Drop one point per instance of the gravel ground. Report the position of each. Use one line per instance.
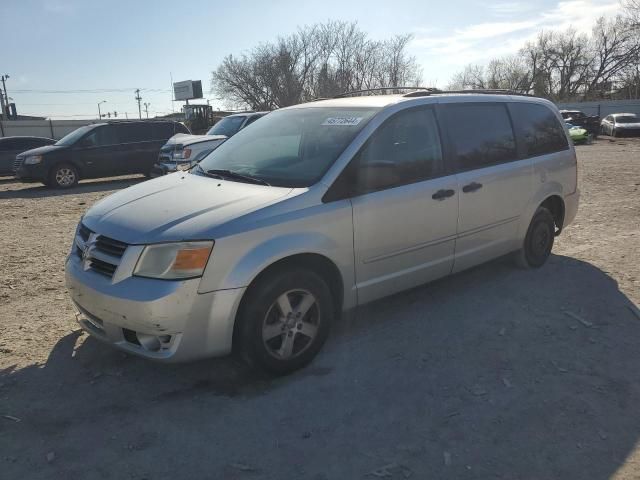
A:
(492, 373)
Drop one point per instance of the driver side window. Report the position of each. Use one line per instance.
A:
(100, 137)
(403, 150)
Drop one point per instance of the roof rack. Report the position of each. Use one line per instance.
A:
(426, 91)
(379, 89)
(480, 91)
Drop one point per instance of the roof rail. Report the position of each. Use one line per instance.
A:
(379, 89)
(481, 91)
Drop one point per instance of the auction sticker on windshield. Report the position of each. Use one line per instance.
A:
(349, 121)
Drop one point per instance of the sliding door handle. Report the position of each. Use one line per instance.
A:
(442, 194)
(472, 187)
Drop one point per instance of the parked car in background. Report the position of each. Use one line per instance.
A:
(621, 124)
(98, 150)
(578, 134)
(579, 119)
(181, 152)
(232, 124)
(313, 210)
(12, 146)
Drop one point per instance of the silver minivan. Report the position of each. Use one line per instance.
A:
(314, 210)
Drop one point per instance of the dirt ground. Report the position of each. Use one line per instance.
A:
(492, 373)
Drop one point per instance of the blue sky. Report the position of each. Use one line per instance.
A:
(62, 45)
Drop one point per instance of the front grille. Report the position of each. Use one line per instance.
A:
(98, 253)
(100, 266)
(110, 246)
(17, 163)
(84, 232)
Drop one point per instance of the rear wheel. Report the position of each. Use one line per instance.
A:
(63, 175)
(285, 320)
(538, 241)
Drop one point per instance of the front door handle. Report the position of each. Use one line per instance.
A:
(472, 187)
(442, 194)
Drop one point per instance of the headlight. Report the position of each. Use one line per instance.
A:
(182, 154)
(33, 160)
(170, 261)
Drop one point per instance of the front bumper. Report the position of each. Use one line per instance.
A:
(31, 173)
(157, 319)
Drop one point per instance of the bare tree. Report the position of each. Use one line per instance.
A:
(321, 60)
(566, 65)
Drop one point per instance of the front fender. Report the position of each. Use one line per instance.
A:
(238, 259)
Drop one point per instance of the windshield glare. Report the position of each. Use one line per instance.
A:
(227, 126)
(74, 136)
(290, 148)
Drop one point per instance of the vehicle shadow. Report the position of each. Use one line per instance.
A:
(38, 190)
(491, 373)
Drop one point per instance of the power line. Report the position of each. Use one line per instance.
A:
(97, 90)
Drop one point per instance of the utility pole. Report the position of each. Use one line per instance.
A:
(139, 99)
(146, 108)
(4, 99)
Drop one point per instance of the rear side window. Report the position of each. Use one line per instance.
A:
(403, 150)
(164, 131)
(481, 134)
(539, 129)
(134, 132)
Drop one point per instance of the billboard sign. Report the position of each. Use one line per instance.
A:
(187, 90)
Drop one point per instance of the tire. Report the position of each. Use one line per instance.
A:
(538, 242)
(63, 175)
(278, 343)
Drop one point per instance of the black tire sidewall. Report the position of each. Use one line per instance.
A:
(259, 299)
(541, 219)
(52, 175)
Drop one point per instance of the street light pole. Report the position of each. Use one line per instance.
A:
(99, 113)
(146, 108)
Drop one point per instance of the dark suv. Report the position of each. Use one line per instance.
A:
(99, 150)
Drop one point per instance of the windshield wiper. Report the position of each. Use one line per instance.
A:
(237, 176)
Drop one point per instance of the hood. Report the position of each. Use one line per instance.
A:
(42, 150)
(185, 139)
(176, 207)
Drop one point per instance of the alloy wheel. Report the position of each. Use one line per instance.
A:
(291, 324)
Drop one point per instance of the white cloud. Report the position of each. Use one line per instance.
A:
(476, 43)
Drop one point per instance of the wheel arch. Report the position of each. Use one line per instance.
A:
(555, 204)
(320, 264)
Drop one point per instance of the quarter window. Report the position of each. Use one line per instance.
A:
(481, 134)
(539, 129)
(405, 149)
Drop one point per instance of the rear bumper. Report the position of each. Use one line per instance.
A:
(167, 321)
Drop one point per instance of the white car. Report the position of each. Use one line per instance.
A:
(621, 124)
(182, 151)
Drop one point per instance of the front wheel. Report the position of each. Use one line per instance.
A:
(285, 320)
(63, 175)
(539, 240)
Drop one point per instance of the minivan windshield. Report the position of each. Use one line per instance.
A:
(289, 148)
(228, 126)
(74, 136)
